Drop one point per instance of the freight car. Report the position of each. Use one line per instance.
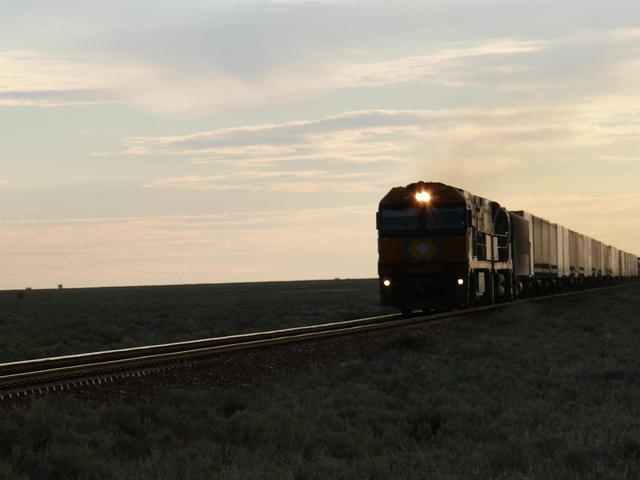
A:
(441, 247)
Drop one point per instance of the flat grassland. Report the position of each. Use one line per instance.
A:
(547, 390)
(60, 322)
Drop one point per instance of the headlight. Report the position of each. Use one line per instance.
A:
(387, 283)
(460, 281)
(424, 197)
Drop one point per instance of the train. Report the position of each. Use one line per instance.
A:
(442, 248)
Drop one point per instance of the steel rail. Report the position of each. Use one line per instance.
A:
(30, 373)
(187, 345)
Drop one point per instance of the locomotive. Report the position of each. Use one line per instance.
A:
(441, 247)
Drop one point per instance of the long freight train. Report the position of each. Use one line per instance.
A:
(441, 247)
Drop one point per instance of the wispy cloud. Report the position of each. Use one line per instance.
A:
(366, 150)
(442, 67)
(345, 139)
(359, 136)
(31, 78)
(397, 136)
(304, 181)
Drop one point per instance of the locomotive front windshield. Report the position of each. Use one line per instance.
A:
(404, 220)
(400, 219)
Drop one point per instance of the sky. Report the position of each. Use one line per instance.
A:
(155, 142)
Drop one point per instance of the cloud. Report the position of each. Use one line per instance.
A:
(211, 85)
(32, 78)
(54, 98)
(397, 136)
(304, 181)
(362, 151)
(290, 144)
(360, 135)
(353, 152)
(505, 65)
(439, 67)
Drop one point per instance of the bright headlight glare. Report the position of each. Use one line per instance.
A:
(387, 283)
(424, 197)
(460, 281)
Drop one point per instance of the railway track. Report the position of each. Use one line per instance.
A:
(28, 377)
